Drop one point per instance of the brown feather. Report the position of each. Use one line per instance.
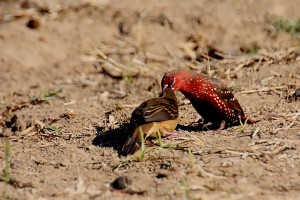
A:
(152, 116)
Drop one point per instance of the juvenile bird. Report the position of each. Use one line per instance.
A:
(209, 96)
(152, 116)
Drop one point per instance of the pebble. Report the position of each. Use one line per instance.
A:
(121, 182)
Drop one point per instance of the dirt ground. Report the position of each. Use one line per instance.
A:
(73, 71)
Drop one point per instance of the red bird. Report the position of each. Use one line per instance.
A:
(209, 96)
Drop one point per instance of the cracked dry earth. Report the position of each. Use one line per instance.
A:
(73, 71)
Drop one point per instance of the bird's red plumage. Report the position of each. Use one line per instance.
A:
(209, 96)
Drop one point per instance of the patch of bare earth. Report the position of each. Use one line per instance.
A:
(73, 71)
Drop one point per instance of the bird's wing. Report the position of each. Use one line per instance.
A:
(155, 110)
(227, 96)
(162, 111)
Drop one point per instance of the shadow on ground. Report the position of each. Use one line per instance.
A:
(202, 126)
(114, 138)
(196, 126)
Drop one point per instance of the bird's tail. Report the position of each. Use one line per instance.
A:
(247, 119)
(132, 143)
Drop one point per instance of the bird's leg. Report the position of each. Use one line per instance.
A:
(222, 126)
(215, 128)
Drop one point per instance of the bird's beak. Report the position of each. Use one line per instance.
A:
(163, 91)
(165, 87)
(168, 86)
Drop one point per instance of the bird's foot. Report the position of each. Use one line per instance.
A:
(171, 135)
(215, 128)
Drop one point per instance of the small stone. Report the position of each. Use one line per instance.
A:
(121, 182)
(162, 173)
(227, 164)
(40, 161)
(33, 24)
(297, 93)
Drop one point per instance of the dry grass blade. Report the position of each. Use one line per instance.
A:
(278, 150)
(185, 142)
(113, 68)
(260, 60)
(195, 139)
(255, 132)
(264, 89)
(27, 131)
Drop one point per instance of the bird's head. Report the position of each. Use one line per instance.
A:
(169, 94)
(175, 80)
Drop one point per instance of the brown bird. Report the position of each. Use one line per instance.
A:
(152, 116)
(209, 96)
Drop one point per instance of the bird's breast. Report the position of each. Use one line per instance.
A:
(151, 129)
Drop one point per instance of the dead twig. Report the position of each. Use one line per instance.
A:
(113, 68)
(254, 132)
(277, 151)
(264, 89)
